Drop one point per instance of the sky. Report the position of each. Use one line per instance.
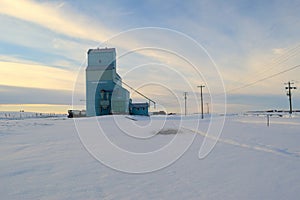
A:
(164, 48)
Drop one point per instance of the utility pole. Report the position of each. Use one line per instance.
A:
(185, 97)
(201, 86)
(289, 94)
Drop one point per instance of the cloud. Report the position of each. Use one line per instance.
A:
(59, 19)
(28, 41)
(36, 76)
(16, 59)
(278, 51)
(27, 95)
(54, 17)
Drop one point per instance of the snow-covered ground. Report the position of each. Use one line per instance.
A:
(44, 158)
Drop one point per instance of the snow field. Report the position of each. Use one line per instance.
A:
(45, 159)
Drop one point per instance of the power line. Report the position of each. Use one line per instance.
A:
(276, 61)
(263, 79)
(150, 100)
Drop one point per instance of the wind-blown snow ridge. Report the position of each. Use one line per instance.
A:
(264, 148)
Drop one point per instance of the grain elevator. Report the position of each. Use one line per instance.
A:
(104, 92)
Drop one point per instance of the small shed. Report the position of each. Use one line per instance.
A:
(139, 109)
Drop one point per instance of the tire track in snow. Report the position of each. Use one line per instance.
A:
(263, 148)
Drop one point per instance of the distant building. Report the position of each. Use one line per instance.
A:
(104, 92)
(138, 108)
(161, 112)
(76, 113)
